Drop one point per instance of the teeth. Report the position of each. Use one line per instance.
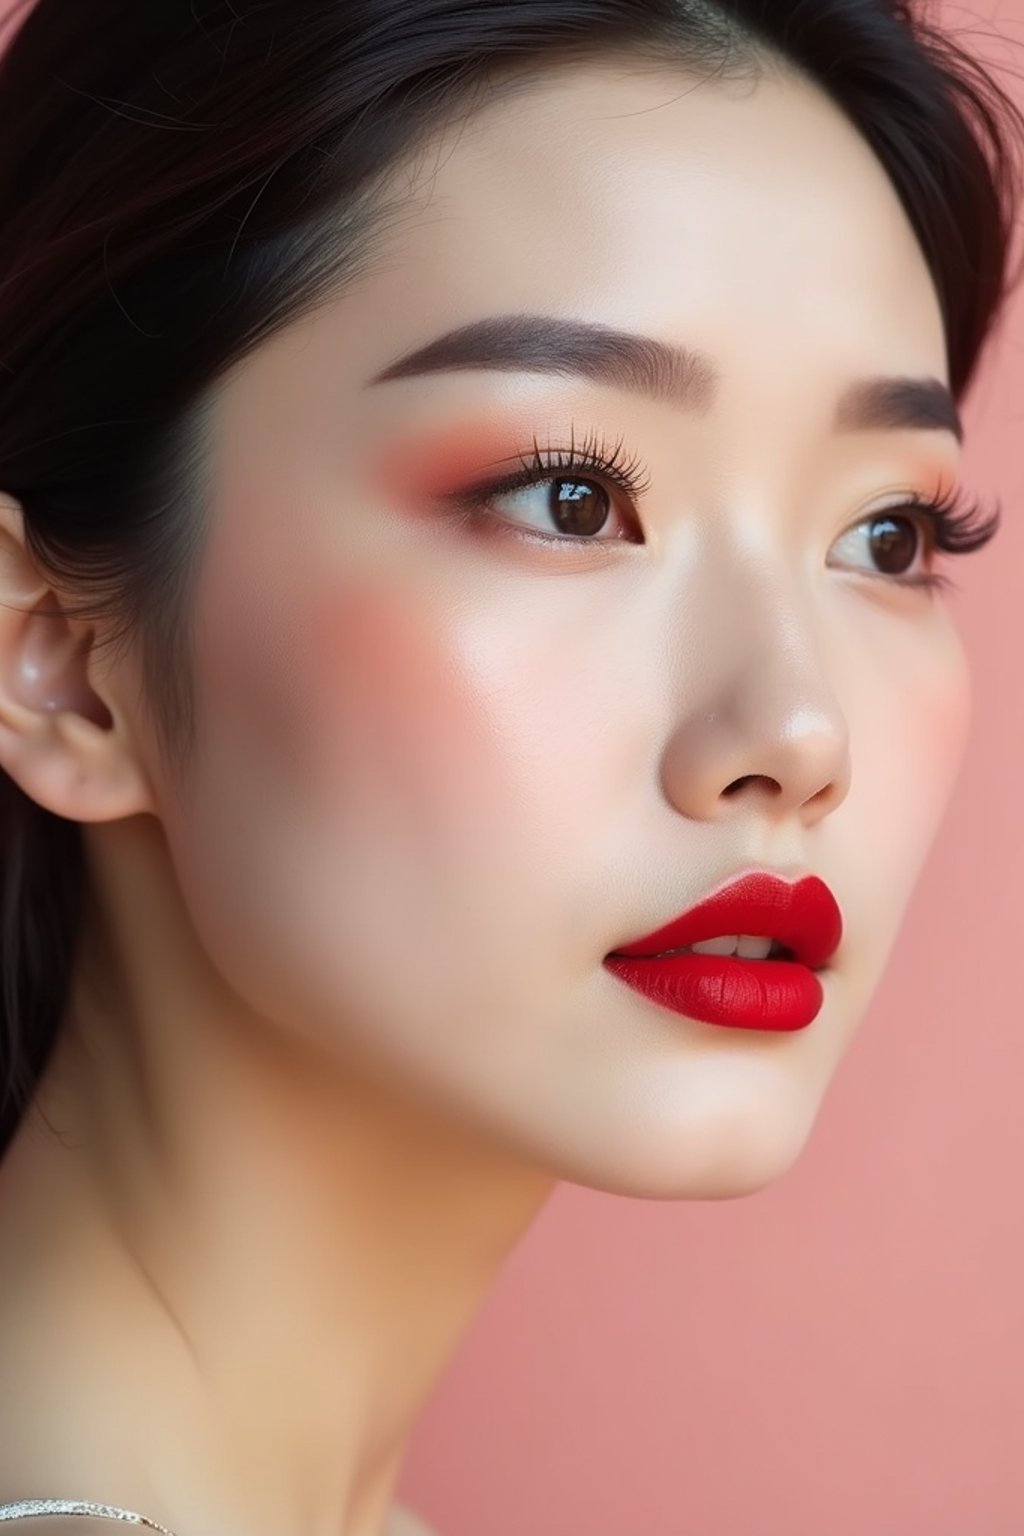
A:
(726, 945)
(751, 948)
(745, 946)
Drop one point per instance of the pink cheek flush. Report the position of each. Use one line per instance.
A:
(405, 735)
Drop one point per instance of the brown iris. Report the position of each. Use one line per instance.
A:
(579, 506)
(894, 542)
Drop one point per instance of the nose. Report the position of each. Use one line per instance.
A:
(761, 731)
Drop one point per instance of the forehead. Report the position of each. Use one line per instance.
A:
(645, 196)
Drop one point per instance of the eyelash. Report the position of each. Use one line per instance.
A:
(952, 523)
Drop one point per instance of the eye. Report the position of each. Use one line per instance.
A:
(888, 543)
(567, 498)
(891, 540)
(567, 505)
(563, 497)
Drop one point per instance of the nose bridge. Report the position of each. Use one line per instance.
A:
(762, 716)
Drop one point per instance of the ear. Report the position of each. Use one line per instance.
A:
(69, 748)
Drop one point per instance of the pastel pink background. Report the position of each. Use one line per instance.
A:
(842, 1354)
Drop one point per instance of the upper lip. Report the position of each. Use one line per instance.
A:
(804, 916)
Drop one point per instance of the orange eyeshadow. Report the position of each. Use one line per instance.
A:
(439, 462)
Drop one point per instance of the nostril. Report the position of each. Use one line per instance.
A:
(753, 778)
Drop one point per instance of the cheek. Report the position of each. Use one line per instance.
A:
(379, 845)
(464, 735)
(396, 722)
(347, 807)
(926, 741)
(386, 780)
(907, 697)
(906, 761)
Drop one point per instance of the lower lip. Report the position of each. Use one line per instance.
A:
(741, 994)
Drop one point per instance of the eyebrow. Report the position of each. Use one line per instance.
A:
(898, 404)
(580, 348)
(655, 369)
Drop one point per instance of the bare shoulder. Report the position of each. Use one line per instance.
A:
(404, 1522)
(54, 1525)
(401, 1522)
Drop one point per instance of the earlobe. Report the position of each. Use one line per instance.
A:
(59, 739)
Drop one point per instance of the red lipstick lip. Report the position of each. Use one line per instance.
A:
(804, 916)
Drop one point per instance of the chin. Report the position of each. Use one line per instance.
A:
(721, 1155)
(733, 1173)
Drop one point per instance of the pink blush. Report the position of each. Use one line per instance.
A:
(406, 719)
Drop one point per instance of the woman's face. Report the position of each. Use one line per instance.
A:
(443, 771)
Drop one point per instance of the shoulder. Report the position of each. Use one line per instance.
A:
(403, 1522)
(66, 1517)
(56, 1525)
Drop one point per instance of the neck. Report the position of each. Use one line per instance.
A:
(232, 1277)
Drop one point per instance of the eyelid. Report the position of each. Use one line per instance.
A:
(949, 520)
(592, 457)
(593, 461)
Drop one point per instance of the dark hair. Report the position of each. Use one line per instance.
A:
(179, 179)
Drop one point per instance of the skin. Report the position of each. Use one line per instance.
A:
(340, 1020)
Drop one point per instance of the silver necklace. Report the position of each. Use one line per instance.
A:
(25, 1508)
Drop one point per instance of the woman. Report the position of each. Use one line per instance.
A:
(477, 482)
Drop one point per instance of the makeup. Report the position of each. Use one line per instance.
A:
(778, 992)
(436, 461)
